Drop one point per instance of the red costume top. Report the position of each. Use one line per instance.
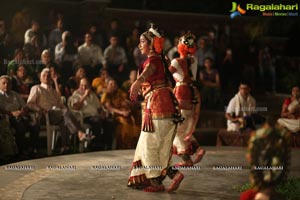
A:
(183, 90)
(158, 96)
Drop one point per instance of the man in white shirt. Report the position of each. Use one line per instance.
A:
(12, 104)
(90, 56)
(35, 31)
(85, 100)
(59, 48)
(115, 59)
(43, 98)
(240, 109)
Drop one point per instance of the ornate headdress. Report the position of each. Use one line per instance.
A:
(187, 44)
(155, 38)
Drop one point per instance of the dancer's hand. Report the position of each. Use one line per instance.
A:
(134, 89)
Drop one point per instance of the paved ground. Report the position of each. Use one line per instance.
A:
(46, 179)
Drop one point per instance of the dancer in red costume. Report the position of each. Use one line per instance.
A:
(160, 110)
(188, 98)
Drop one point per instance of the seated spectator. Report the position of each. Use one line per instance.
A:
(14, 106)
(43, 98)
(132, 41)
(56, 81)
(35, 31)
(69, 58)
(135, 108)
(73, 82)
(116, 29)
(55, 34)
(210, 82)
(98, 38)
(116, 101)
(99, 84)
(115, 59)
(240, 113)
(132, 77)
(90, 56)
(203, 51)
(290, 112)
(33, 49)
(86, 101)
(13, 64)
(46, 61)
(21, 82)
(59, 48)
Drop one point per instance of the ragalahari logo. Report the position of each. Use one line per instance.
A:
(236, 10)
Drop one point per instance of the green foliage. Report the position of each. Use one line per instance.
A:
(242, 188)
(289, 189)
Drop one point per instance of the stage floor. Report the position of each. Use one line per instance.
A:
(103, 176)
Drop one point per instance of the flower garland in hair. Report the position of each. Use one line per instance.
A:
(158, 44)
(187, 44)
(269, 156)
(157, 39)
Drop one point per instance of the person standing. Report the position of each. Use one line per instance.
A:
(151, 162)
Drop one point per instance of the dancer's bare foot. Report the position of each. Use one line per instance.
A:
(199, 155)
(176, 182)
(158, 188)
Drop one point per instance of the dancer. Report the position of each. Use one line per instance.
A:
(151, 162)
(188, 98)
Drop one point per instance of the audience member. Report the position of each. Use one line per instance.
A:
(127, 84)
(86, 101)
(55, 35)
(21, 82)
(210, 84)
(116, 101)
(73, 82)
(241, 111)
(290, 112)
(115, 59)
(35, 31)
(99, 84)
(15, 107)
(69, 57)
(203, 52)
(90, 56)
(33, 49)
(98, 38)
(44, 99)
